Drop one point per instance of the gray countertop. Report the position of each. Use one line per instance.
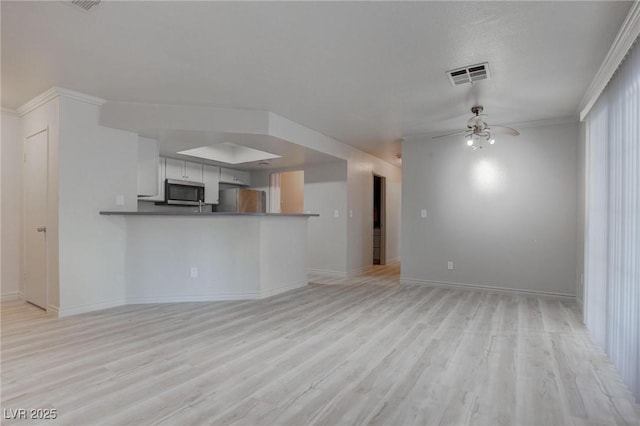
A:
(203, 214)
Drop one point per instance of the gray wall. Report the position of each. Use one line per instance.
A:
(505, 215)
(325, 190)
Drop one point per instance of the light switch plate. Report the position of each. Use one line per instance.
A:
(194, 272)
(336, 213)
(423, 213)
(449, 265)
(119, 200)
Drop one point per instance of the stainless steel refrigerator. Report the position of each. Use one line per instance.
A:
(242, 200)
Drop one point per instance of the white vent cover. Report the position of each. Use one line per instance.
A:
(469, 74)
(85, 5)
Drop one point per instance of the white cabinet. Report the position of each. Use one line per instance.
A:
(148, 170)
(236, 177)
(192, 171)
(211, 179)
(183, 170)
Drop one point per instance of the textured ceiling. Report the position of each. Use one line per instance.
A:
(365, 73)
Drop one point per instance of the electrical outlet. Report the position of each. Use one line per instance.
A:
(336, 213)
(423, 213)
(119, 200)
(449, 265)
(194, 272)
(350, 213)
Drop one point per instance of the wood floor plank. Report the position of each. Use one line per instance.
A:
(363, 350)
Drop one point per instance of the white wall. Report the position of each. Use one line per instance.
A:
(581, 212)
(11, 211)
(236, 257)
(361, 167)
(96, 164)
(325, 190)
(505, 215)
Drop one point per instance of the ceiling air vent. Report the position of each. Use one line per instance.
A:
(469, 74)
(85, 5)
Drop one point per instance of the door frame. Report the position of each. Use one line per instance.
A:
(24, 221)
(383, 217)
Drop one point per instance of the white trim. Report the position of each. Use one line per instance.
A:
(629, 32)
(10, 296)
(53, 310)
(327, 273)
(10, 111)
(392, 261)
(216, 297)
(579, 302)
(90, 307)
(461, 286)
(54, 93)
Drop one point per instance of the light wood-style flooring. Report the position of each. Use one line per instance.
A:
(360, 351)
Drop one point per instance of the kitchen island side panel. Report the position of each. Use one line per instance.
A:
(162, 252)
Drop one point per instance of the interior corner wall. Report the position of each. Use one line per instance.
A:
(11, 207)
(505, 215)
(96, 165)
(325, 191)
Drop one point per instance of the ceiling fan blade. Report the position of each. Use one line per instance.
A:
(504, 130)
(459, 132)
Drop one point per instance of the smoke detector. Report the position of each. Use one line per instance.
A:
(469, 74)
(85, 5)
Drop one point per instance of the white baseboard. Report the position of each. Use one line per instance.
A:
(282, 289)
(327, 273)
(461, 286)
(215, 297)
(580, 303)
(90, 307)
(10, 296)
(393, 261)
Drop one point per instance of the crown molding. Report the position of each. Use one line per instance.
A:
(628, 33)
(56, 92)
(9, 111)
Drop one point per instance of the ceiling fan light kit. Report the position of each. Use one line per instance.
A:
(479, 132)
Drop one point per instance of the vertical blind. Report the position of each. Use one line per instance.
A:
(612, 229)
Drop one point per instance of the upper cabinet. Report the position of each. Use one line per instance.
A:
(148, 156)
(235, 177)
(211, 179)
(183, 170)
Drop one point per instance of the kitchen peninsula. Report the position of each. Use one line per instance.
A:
(190, 256)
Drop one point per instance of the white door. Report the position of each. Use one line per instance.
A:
(35, 214)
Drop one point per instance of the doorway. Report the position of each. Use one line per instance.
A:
(36, 153)
(379, 220)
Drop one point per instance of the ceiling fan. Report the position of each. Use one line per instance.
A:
(479, 131)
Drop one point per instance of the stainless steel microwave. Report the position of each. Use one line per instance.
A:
(183, 192)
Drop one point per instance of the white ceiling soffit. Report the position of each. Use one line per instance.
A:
(628, 34)
(364, 73)
(230, 153)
